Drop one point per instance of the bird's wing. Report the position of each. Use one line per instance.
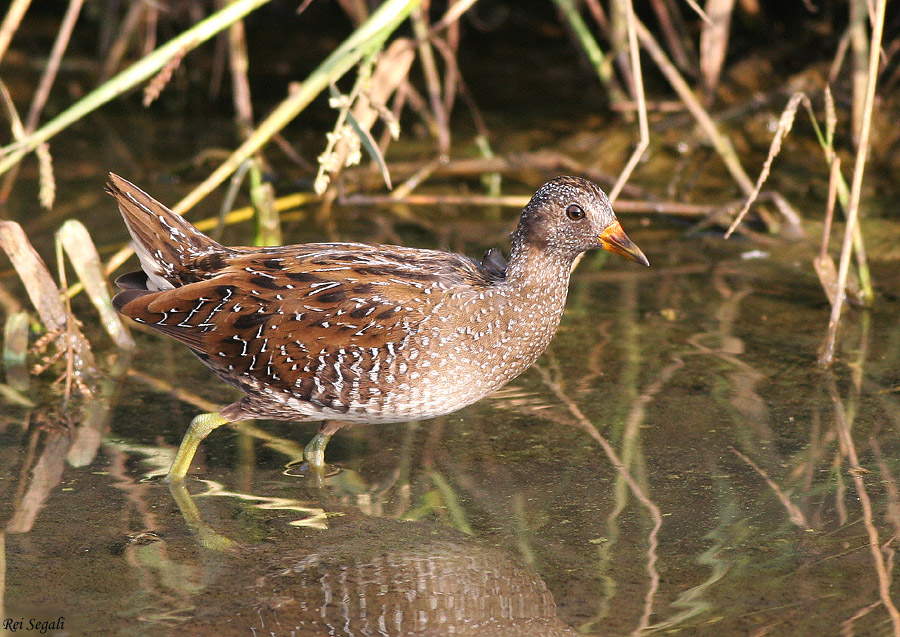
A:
(320, 321)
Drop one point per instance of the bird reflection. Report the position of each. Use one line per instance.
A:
(369, 576)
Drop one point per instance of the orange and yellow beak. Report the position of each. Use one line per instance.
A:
(614, 239)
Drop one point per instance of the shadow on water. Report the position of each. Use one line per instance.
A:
(674, 462)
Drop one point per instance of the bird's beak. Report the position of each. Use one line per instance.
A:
(615, 240)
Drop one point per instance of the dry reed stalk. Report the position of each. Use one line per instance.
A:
(47, 191)
(239, 64)
(11, 23)
(46, 299)
(700, 12)
(75, 240)
(262, 194)
(136, 14)
(48, 188)
(672, 27)
(356, 10)
(826, 356)
(459, 87)
(454, 12)
(369, 36)
(714, 44)
(785, 123)
(823, 263)
(419, 19)
(860, 73)
(449, 48)
(599, 14)
(15, 122)
(228, 199)
(595, 55)
(618, 44)
(52, 68)
(638, 90)
(403, 192)
(720, 142)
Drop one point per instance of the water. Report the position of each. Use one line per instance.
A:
(675, 462)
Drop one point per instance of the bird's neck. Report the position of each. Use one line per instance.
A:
(538, 268)
(527, 307)
(537, 282)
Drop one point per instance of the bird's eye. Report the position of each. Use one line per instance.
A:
(574, 212)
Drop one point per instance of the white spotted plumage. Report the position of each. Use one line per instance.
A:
(360, 333)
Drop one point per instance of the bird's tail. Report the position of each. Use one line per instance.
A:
(163, 241)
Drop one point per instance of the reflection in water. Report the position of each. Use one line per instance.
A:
(371, 576)
(677, 463)
(433, 588)
(882, 555)
(57, 440)
(45, 475)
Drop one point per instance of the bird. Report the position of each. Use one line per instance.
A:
(354, 333)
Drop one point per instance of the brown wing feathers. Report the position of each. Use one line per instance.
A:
(163, 241)
(316, 320)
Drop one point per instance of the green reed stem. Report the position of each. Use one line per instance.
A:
(370, 36)
(599, 60)
(138, 72)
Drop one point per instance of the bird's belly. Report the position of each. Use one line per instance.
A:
(432, 371)
(437, 375)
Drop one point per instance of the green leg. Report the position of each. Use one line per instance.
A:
(199, 429)
(205, 534)
(314, 454)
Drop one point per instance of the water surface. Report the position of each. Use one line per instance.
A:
(675, 462)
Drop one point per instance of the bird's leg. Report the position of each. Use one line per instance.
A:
(314, 453)
(200, 428)
(206, 535)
